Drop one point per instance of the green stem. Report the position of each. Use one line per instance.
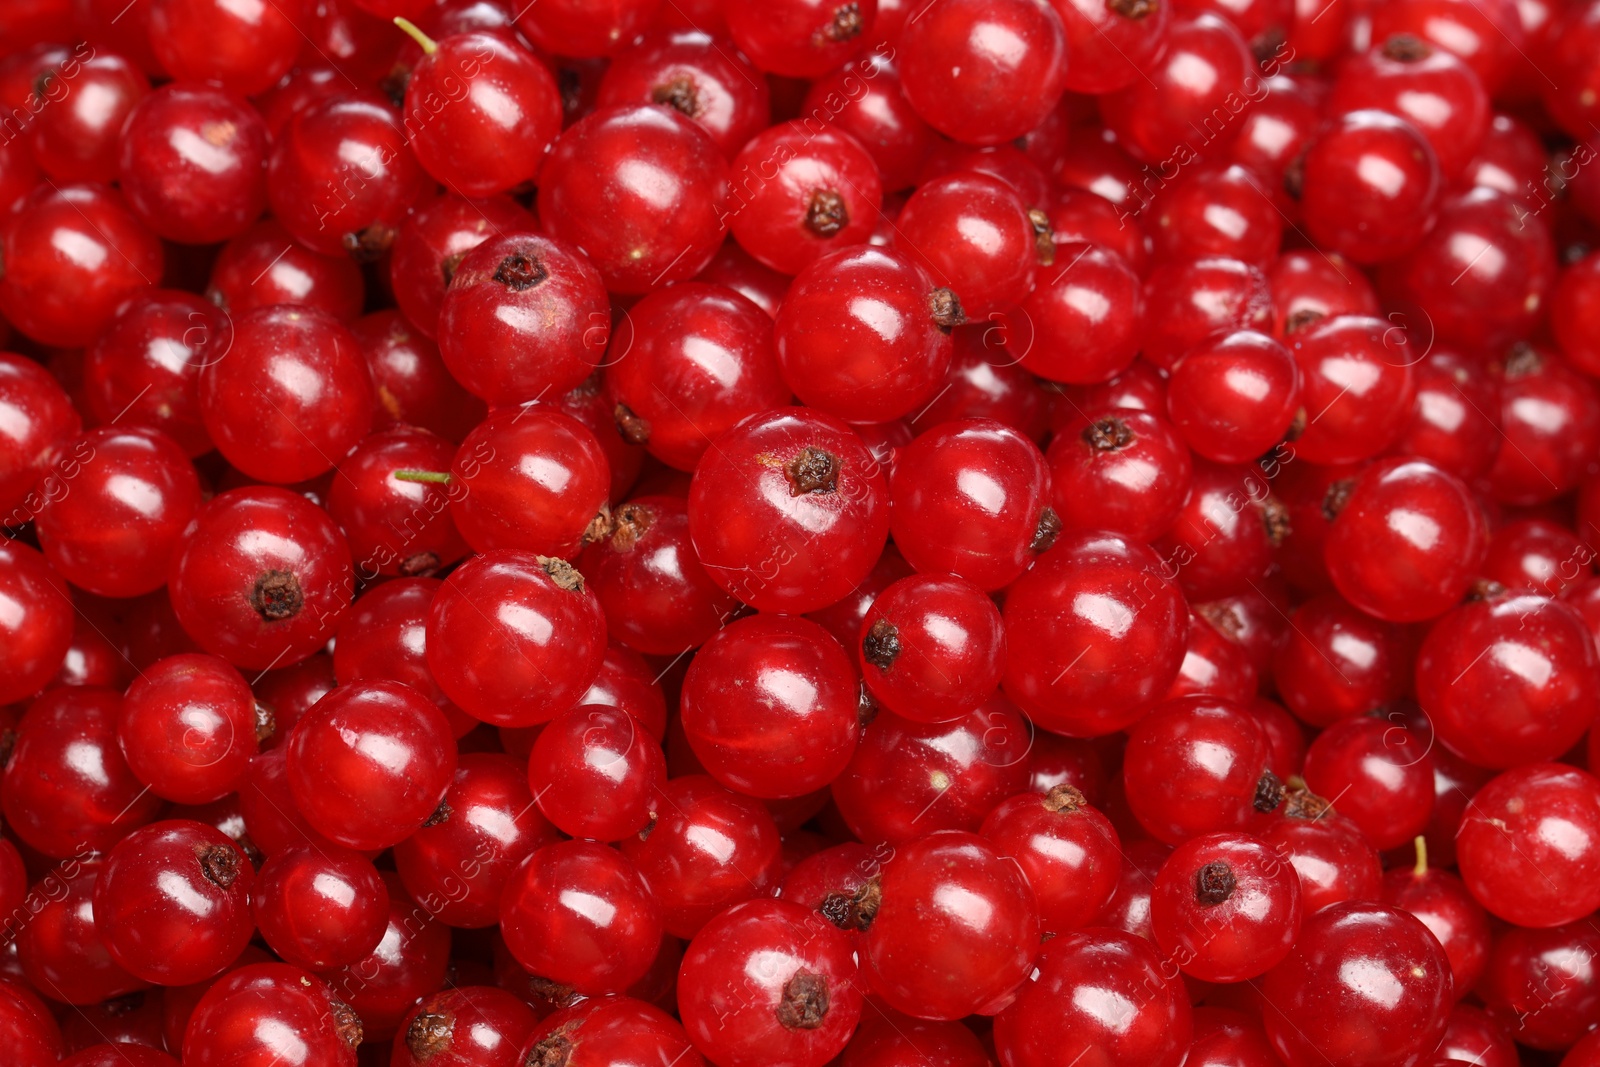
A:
(436, 477)
(429, 47)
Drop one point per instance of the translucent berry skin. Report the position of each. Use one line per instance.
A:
(261, 601)
(245, 49)
(411, 961)
(968, 89)
(1549, 421)
(596, 772)
(687, 363)
(1109, 44)
(1318, 1003)
(58, 950)
(264, 265)
(864, 361)
(579, 913)
(969, 498)
(464, 1026)
(1225, 907)
(801, 38)
(525, 318)
(1509, 680)
(342, 177)
(1198, 765)
(290, 397)
(146, 365)
(72, 255)
(1381, 774)
(1188, 301)
(192, 163)
(909, 778)
(1059, 1015)
(409, 378)
(1078, 622)
(75, 139)
(863, 99)
(1400, 72)
(1231, 399)
(1171, 112)
(1455, 423)
(533, 480)
(956, 930)
(824, 194)
(1529, 845)
(1442, 902)
(1575, 302)
(1085, 314)
(124, 498)
(638, 240)
(189, 728)
(369, 763)
(385, 638)
(458, 867)
(608, 1031)
(1356, 385)
(270, 1011)
(770, 707)
(39, 419)
(1069, 852)
(319, 908)
(482, 112)
(585, 30)
(797, 1002)
(1474, 298)
(931, 647)
(687, 70)
(1344, 201)
(396, 526)
(693, 885)
(38, 632)
(1335, 662)
(972, 233)
(66, 785)
(1540, 984)
(432, 242)
(30, 1032)
(1119, 470)
(790, 511)
(172, 903)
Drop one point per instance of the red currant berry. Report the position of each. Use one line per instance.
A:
(320, 908)
(931, 647)
(1225, 907)
(189, 728)
(264, 266)
(1069, 852)
(271, 1010)
(596, 772)
(38, 624)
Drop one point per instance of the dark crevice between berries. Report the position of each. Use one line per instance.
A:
(266, 721)
(678, 94)
(1214, 883)
(1268, 43)
(812, 471)
(634, 430)
(420, 564)
(1133, 9)
(117, 1007)
(1269, 793)
(1222, 618)
(630, 523)
(550, 992)
(393, 85)
(520, 271)
(649, 828)
(369, 245)
(1276, 519)
(1334, 500)
(440, 814)
(8, 742)
(220, 864)
(346, 1022)
(1043, 238)
(599, 527)
(1045, 534)
(564, 574)
(881, 646)
(1404, 48)
(551, 1052)
(1297, 426)
(845, 24)
(1107, 435)
(1485, 589)
(853, 911)
(866, 708)
(805, 1001)
(946, 309)
(277, 596)
(429, 1034)
(1300, 320)
(826, 215)
(1064, 799)
(1294, 182)
(1523, 360)
(1304, 804)
(449, 265)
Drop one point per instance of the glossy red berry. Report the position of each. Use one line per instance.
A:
(432, 242)
(1225, 907)
(1441, 900)
(190, 726)
(1377, 773)
(1069, 852)
(1549, 420)
(1199, 765)
(396, 524)
(464, 1026)
(1235, 397)
(59, 951)
(319, 908)
(1187, 302)
(802, 38)
(973, 234)
(264, 266)
(38, 630)
(931, 647)
(596, 772)
(245, 49)
(39, 420)
(75, 140)
(271, 1010)
(1081, 323)
(1356, 385)
(1335, 662)
(609, 1030)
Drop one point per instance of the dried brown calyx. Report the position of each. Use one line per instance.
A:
(1302, 803)
(266, 721)
(812, 470)
(805, 1001)
(1064, 799)
(1045, 534)
(1133, 9)
(634, 429)
(1107, 435)
(345, 1021)
(420, 564)
(1404, 48)
(1044, 244)
(628, 524)
(440, 814)
(520, 271)
(1276, 519)
(1337, 496)
(1214, 883)
(277, 596)
(564, 574)
(220, 864)
(678, 94)
(369, 245)
(853, 911)
(881, 645)
(551, 1052)
(826, 214)
(1269, 793)
(946, 309)
(430, 1033)
(845, 25)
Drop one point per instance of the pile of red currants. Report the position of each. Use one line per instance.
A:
(799, 533)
